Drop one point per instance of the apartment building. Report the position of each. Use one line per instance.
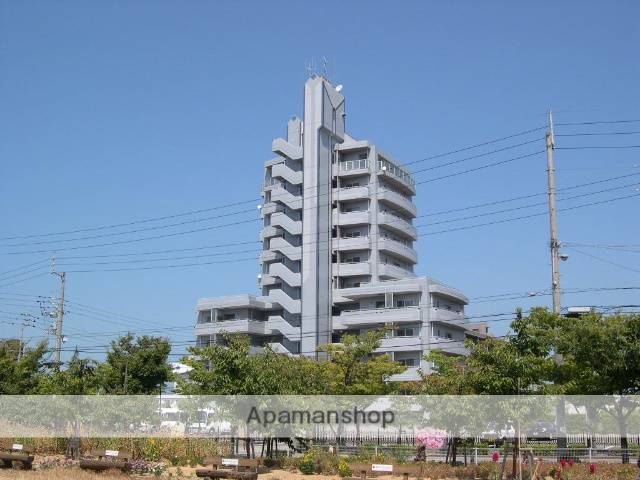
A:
(338, 250)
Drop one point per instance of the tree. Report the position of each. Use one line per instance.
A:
(79, 378)
(354, 367)
(601, 356)
(135, 367)
(21, 377)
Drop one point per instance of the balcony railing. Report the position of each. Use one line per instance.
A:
(395, 171)
(354, 165)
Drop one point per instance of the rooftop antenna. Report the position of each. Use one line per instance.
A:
(310, 67)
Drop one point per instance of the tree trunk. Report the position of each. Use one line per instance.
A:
(454, 451)
(624, 441)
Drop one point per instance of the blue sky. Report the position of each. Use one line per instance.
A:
(119, 111)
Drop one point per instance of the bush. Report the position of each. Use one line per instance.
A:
(344, 470)
(307, 466)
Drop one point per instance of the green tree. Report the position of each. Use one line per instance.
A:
(21, 377)
(231, 369)
(601, 356)
(79, 378)
(354, 367)
(135, 367)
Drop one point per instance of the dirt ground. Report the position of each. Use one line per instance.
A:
(75, 473)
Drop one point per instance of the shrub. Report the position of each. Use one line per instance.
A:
(344, 470)
(307, 466)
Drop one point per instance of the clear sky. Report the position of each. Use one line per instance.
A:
(112, 112)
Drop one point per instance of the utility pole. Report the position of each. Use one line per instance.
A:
(553, 219)
(555, 277)
(60, 316)
(27, 321)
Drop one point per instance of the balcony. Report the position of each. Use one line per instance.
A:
(279, 348)
(352, 269)
(278, 325)
(283, 171)
(397, 224)
(242, 325)
(351, 218)
(279, 244)
(294, 227)
(400, 344)
(353, 193)
(399, 249)
(381, 315)
(282, 195)
(351, 168)
(345, 244)
(285, 301)
(393, 271)
(397, 176)
(268, 208)
(444, 315)
(268, 232)
(286, 149)
(398, 202)
(447, 345)
(279, 270)
(411, 374)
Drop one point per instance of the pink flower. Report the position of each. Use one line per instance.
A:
(571, 462)
(430, 438)
(495, 456)
(563, 463)
(592, 468)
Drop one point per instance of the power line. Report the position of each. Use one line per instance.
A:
(419, 235)
(595, 134)
(604, 260)
(24, 266)
(587, 147)
(528, 216)
(134, 222)
(192, 212)
(477, 145)
(597, 122)
(105, 235)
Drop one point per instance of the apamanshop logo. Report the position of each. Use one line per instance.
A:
(321, 417)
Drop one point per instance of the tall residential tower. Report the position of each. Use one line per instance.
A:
(338, 254)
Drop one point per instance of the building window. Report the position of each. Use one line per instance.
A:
(405, 303)
(405, 332)
(407, 362)
(380, 304)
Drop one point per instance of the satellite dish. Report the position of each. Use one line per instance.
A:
(339, 88)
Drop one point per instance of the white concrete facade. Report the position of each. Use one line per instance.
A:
(338, 253)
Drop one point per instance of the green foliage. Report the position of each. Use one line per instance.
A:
(78, 379)
(230, 369)
(307, 466)
(21, 377)
(355, 368)
(344, 470)
(135, 367)
(602, 355)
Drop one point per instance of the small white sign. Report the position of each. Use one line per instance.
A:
(232, 462)
(111, 453)
(381, 467)
(17, 446)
